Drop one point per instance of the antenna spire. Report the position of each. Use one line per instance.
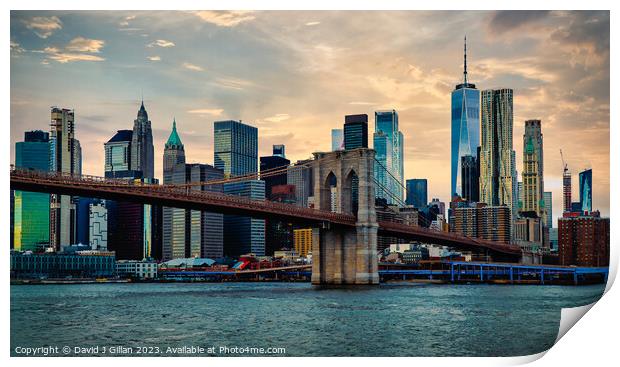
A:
(465, 61)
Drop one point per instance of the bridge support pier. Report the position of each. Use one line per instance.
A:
(346, 255)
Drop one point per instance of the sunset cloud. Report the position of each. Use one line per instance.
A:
(43, 26)
(161, 43)
(81, 44)
(296, 74)
(207, 111)
(225, 18)
(192, 67)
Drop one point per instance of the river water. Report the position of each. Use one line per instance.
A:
(397, 319)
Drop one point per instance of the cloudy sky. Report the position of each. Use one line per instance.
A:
(295, 75)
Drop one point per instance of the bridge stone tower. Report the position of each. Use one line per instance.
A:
(343, 182)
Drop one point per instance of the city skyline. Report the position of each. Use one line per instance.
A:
(296, 101)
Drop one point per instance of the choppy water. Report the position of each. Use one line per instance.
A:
(389, 320)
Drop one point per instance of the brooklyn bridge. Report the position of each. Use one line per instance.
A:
(347, 249)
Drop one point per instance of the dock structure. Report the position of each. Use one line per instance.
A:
(457, 272)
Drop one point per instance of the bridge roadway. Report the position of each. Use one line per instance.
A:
(193, 198)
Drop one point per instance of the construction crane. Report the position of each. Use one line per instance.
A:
(564, 164)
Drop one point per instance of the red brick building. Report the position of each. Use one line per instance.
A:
(583, 241)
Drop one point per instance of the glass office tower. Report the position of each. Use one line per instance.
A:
(355, 131)
(337, 139)
(244, 235)
(585, 190)
(465, 127)
(235, 147)
(417, 192)
(388, 143)
(32, 209)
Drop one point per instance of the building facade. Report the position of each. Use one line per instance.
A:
(355, 131)
(98, 226)
(567, 190)
(529, 232)
(583, 241)
(548, 200)
(83, 264)
(465, 125)
(65, 156)
(389, 147)
(173, 219)
(498, 176)
(142, 150)
(235, 148)
(244, 235)
(337, 139)
(303, 241)
(533, 182)
(31, 210)
(269, 165)
(470, 185)
(130, 227)
(136, 269)
(585, 190)
(417, 192)
(300, 175)
(205, 230)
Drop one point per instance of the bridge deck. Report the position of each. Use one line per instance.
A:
(193, 198)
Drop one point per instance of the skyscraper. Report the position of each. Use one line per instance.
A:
(205, 237)
(236, 153)
(65, 157)
(533, 182)
(567, 190)
(465, 126)
(417, 192)
(235, 148)
(388, 144)
(98, 226)
(243, 235)
(118, 156)
(383, 182)
(173, 241)
(279, 150)
(142, 156)
(355, 131)
(129, 231)
(548, 199)
(31, 211)
(585, 190)
(497, 158)
(269, 164)
(300, 175)
(337, 139)
(469, 178)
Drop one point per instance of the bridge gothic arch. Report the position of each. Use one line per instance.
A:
(346, 255)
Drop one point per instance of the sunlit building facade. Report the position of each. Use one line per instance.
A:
(31, 211)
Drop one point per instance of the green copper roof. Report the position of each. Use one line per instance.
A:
(174, 138)
(529, 147)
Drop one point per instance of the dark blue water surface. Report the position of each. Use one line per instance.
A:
(388, 320)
